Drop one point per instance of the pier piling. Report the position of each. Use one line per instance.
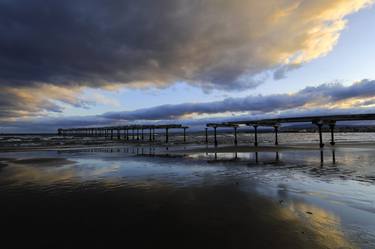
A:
(235, 135)
(185, 134)
(320, 125)
(206, 132)
(215, 138)
(276, 128)
(255, 135)
(332, 128)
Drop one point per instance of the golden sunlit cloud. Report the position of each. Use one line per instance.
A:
(214, 44)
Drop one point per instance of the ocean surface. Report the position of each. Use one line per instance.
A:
(142, 197)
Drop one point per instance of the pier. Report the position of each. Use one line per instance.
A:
(139, 133)
(143, 133)
(276, 123)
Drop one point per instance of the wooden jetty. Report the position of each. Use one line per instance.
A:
(139, 133)
(319, 121)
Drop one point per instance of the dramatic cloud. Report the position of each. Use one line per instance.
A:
(324, 99)
(329, 96)
(219, 44)
(32, 101)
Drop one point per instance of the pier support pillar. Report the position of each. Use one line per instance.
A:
(320, 125)
(118, 134)
(133, 134)
(111, 134)
(206, 131)
(184, 134)
(137, 134)
(153, 134)
(235, 136)
(332, 128)
(215, 136)
(255, 135)
(150, 135)
(166, 135)
(142, 134)
(276, 134)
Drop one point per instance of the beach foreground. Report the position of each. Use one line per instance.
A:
(189, 197)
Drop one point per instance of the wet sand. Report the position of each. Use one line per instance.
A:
(154, 215)
(196, 217)
(189, 196)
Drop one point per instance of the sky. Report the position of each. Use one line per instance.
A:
(94, 63)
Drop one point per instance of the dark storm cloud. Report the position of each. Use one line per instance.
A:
(325, 94)
(46, 46)
(93, 42)
(214, 43)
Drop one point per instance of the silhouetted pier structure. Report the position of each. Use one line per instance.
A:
(139, 133)
(319, 121)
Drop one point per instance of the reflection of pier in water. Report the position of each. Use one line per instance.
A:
(147, 151)
(256, 157)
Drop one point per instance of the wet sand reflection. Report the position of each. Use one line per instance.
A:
(147, 196)
(107, 204)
